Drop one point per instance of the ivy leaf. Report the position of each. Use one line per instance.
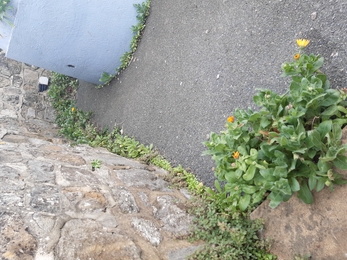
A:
(305, 194)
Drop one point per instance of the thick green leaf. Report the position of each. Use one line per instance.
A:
(273, 204)
(323, 166)
(336, 133)
(315, 101)
(268, 174)
(283, 141)
(315, 138)
(318, 64)
(340, 121)
(295, 90)
(333, 152)
(320, 184)
(331, 97)
(312, 182)
(324, 128)
(216, 183)
(332, 110)
(275, 199)
(294, 184)
(342, 109)
(244, 202)
(305, 194)
(283, 186)
(242, 150)
(249, 173)
(257, 197)
(249, 189)
(311, 153)
(281, 171)
(341, 162)
(254, 117)
(264, 122)
(253, 154)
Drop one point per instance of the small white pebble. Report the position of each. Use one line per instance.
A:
(313, 15)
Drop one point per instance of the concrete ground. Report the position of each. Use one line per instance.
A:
(198, 60)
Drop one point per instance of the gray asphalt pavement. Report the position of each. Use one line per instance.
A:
(198, 60)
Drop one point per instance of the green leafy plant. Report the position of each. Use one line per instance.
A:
(227, 234)
(4, 7)
(142, 11)
(106, 78)
(291, 145)
(96, 164)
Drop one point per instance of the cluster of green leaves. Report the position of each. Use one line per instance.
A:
(228, 235)
(290, 146)
(142, 14)
(4, 7)
(96, 164)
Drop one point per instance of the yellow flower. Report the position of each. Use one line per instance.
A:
(302, 43)
(73, 109)
(231, 119)
(297, 56)
(236, 155)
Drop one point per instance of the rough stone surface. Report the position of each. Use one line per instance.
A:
(53, 206)
(319, 229)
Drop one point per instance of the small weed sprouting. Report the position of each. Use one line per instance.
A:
(142, 14)
(96, 164)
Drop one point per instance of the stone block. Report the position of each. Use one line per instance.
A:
(4, 82)
(125, 200)
(16, 243)
(142, 179)
(31, 78)
(66, 158)
(147, 229)
(90, 241)
(182, 253)
(175, 220)
(17, 81)
(45, 198)
(297, 228)
(15, 139)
